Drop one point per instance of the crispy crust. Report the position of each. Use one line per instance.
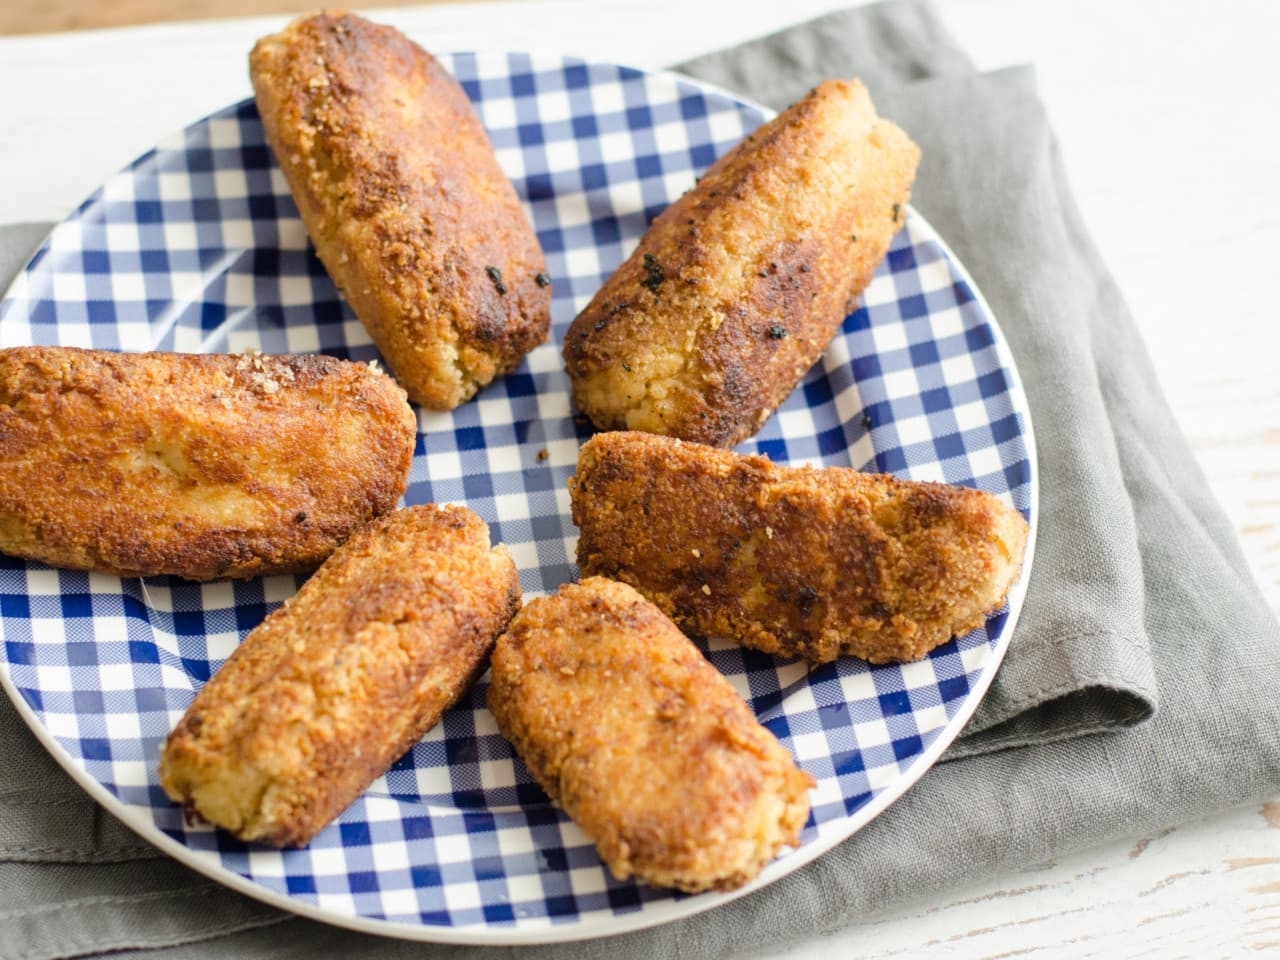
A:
(737, 287)
(332, 687)
(199, 466)
(642, 741)
(405, 202)
(794, 561)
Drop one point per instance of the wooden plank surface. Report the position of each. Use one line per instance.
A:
(1208, 889)
(50, 16)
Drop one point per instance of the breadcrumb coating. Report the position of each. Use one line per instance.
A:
(797, 561)
(195, 465)
(323, 696)
(737, 287)
(642, 742)
(405, 202)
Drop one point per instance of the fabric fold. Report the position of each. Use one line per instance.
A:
(45, 816)
(885, 44)
(163, 905)
(1079, 661)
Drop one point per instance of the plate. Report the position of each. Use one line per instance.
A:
(197, 247)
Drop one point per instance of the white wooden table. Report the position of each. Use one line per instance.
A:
(1167, 117)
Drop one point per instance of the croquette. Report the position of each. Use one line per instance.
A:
(796, 561)
(199, 466)
(333, 686)
(642, 741)
(736, 288)
(403, 197)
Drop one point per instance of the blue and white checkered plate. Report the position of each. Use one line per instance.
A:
(198, 247)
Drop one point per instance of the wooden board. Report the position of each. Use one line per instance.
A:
(49, 16)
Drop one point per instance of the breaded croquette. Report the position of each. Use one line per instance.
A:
(402, 194)
(803, 562)
(642, 742)
(332, 687)
(200, 466)
(737, 287)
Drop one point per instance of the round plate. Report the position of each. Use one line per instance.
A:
(198, 247)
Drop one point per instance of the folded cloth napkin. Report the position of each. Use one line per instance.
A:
(1080, 660)
(1139, 590)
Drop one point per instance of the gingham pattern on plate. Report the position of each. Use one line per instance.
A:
(197, 247)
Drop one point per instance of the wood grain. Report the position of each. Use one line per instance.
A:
(1164, 896)
(53, 16)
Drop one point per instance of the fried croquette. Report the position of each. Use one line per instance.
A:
(200, 466)
(332, 687)
(404, 200)
(802, 562)
(642, 742)
(737, 287)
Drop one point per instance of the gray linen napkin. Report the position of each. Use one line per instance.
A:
(1080, 660)
(1138, 586)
